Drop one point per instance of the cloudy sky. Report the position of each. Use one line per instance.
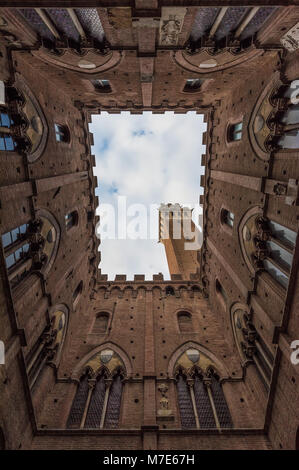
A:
(144, 159)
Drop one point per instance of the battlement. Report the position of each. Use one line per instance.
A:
(140, 278)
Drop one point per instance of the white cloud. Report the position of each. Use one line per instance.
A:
(149, 159)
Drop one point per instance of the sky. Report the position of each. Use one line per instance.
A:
(144, 159)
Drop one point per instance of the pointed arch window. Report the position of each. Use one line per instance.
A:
(78, 405)
(201, 401)
(185, 322)
(269, 246)
(185, 402)
(251, 345)
(43, 351)
(30, 246)
(97, 402)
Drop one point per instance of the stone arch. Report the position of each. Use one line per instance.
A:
(245, 237)
(184, 321)
(61, 334)
(223, 60)
(37, 129)
(237, 306)
(259, 127)
(69, 59)
(209, 359)
(91, 355)
(50, 224)
(117, 290)
(128, 291)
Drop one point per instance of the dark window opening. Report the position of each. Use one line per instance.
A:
(102, 86)
(61, 133)
(193, 85)
(101, 323)
(71, 220)
(169, 290)
(185, 322)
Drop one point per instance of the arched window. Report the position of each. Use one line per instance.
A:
(39, 355)
(169, 290)
(16, 247)
(71, 220)
(96, 406)
(6, 140)
(185, 402)
(185, 322)
(61, 133)
(97, 402)
(31, 246)
(103, 86)
(77, 293)
(251, 345)
(234, 132)
(227, 218)
(78, 405)
(192, 85)
(289, 121)
(269, 246)
(201, 400)
(101, 323)
(114, 402)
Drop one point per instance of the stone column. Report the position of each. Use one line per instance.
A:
(149, 378)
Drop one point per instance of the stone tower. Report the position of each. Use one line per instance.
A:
(181, 239)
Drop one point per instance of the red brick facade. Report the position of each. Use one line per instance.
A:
(54, 294)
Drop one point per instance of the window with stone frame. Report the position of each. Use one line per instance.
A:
(269, 246)
(251, 345)
(61, 133)
(102, 86)
(184, 321)
(201, 400)
(7, 142)
(227, 218)
(97, 402)
(234, 132)
(101, 322)
(192, 85)
(71, 220)
(16, 245)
